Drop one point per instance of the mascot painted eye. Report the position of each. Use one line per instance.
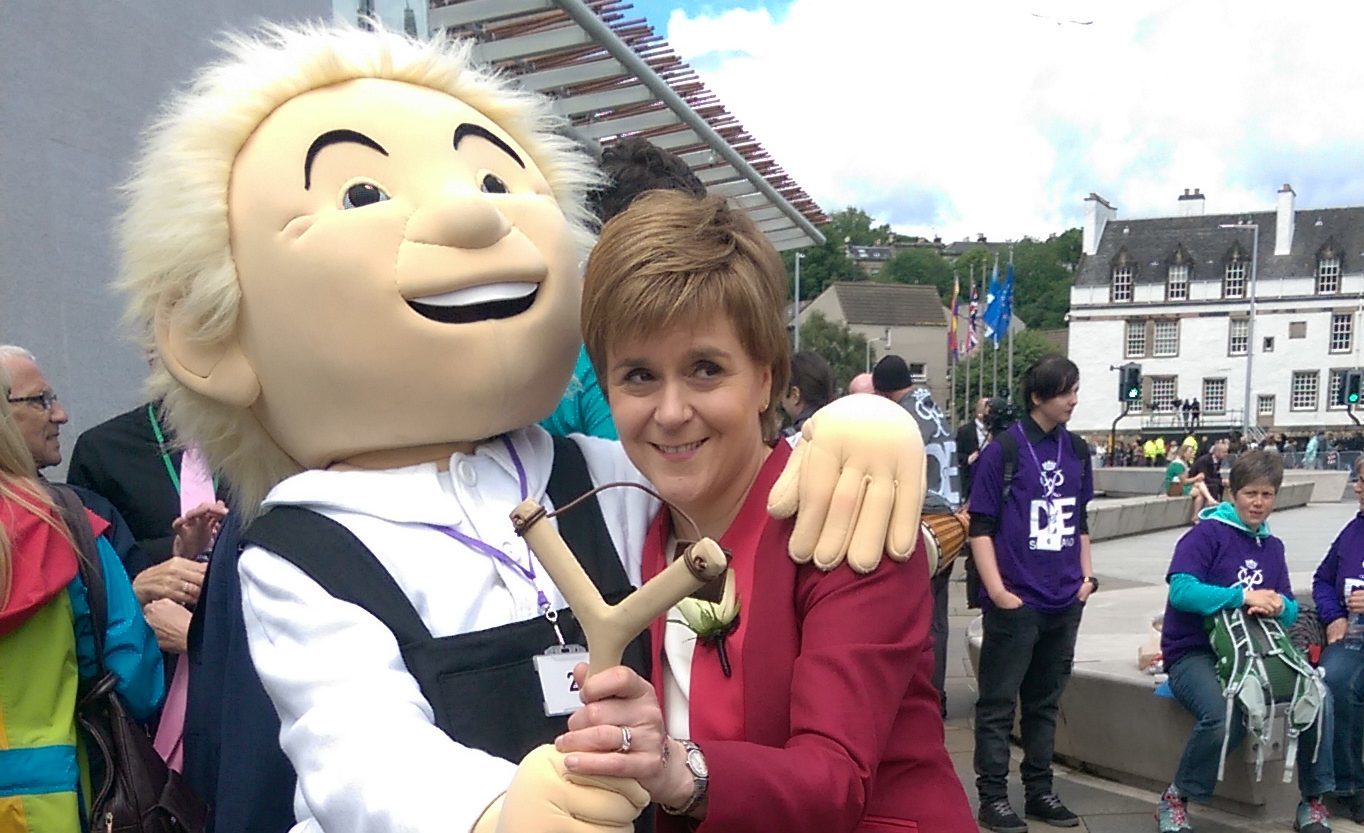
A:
(493, 185)
(362, 194)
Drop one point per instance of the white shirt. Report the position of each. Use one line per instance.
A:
(353, 721)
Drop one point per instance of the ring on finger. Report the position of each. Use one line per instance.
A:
(624, 739)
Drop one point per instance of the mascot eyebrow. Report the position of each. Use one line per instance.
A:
(465, 130)
(333, 137)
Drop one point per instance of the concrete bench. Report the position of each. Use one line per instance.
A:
(1116, 517)
(1328, 486)
(1112, 724)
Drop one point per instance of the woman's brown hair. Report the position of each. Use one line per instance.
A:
(671, 258)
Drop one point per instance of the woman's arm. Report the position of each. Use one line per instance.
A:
(1190, 595)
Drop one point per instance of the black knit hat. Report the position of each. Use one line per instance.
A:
(891, 374)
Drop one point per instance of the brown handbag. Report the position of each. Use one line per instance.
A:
(135, 792)
(1175, 489)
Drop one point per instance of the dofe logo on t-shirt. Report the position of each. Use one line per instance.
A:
(1051, 520)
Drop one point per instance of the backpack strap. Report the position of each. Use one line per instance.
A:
(72, 513)
(1008, 444)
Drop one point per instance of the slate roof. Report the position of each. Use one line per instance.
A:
(1152, 244)
(890, 304)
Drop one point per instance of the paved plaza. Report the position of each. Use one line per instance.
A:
(1106, 806)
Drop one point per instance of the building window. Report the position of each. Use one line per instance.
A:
(1162, 392)
(1214, 396)
(1297, 329)
(1328, 275)
(1136, 340)
(1234, 282)
(1239, 336)
(1333, 390)
(1342, 331)
(1177, 284)
(1166, 338)
(1267, 346)
(1122, 282)
(1303, 394)
(1264, 404)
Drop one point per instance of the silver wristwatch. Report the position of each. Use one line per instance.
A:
(700, 779)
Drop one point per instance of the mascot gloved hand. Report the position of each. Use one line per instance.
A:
(545, 798)
(858, 477)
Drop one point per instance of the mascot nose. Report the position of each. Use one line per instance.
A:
(464, 221)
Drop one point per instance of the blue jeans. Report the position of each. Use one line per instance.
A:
(1345, 677)
(1193, 679)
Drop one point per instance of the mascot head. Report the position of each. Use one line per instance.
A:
(352, 247)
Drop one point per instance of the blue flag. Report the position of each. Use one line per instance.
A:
(1007, 316)
(994, 307)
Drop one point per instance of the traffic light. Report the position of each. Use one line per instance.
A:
(1351, 389)
(1129, 383)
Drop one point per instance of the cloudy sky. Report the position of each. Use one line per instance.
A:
(999, 116)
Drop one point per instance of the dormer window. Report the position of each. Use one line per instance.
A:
(1234, 279)
(1328, 273)
(1177, 278)
(1123, 272)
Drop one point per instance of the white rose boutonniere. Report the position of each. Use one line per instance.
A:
(712, 621)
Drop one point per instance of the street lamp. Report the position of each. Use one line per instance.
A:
(1250, 325)
(885, 338)
(795, 311)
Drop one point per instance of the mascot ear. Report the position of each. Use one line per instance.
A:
(218, 370)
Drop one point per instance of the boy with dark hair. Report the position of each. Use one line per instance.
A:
(1227, 562)
(1030, 542)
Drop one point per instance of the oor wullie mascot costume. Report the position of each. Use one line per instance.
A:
(357, 258)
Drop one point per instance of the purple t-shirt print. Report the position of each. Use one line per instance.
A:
(1224, 556)
(1037, 539)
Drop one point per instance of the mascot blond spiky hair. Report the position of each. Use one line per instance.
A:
(357, 259)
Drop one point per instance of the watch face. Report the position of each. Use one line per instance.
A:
(696, 762)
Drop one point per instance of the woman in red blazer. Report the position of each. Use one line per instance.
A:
(814, 708)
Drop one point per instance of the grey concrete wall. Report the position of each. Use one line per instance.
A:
(78, 81)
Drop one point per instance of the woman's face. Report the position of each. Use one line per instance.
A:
(687, 403)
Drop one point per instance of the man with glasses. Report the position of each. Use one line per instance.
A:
(36, 410)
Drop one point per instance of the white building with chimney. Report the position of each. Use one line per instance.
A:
(1252, 314)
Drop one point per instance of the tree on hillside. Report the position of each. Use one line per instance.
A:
(828, 262)
(921, 266)
(844, 349)
(1029, 346)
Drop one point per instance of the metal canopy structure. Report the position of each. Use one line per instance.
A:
(612, 78)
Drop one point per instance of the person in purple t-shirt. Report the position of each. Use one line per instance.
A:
(1338, 591)
(1230, 560)
(1031, 548)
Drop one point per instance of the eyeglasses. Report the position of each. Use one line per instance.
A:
(44, 400)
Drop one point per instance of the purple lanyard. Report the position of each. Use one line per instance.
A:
(526, 571)
(1048, 488)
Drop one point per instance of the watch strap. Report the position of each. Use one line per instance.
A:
(700, 781)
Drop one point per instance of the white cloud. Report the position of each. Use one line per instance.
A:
(999, 116)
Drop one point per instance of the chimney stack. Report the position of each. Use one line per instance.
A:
(1283, 225)
(1098, 213)
(1191, 205)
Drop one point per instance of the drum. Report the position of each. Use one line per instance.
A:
(944, 539)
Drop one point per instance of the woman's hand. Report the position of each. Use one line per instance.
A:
(170, 622)
(196, 529)
(176, 578)
(1355, 602)
(1263, 602)
(616, 698)
(1335, 631)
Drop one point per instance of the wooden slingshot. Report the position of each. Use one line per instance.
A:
(609, 628)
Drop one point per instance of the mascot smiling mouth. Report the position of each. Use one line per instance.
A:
(479, 303)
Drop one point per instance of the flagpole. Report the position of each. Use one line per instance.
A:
(1010, 319)
(970, 288)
